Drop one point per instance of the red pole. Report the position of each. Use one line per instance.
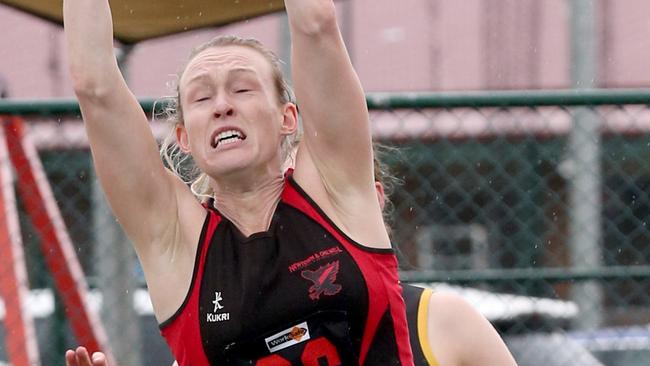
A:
(57, 247)
(22, 347)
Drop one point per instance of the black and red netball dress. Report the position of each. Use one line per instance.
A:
(301, 293)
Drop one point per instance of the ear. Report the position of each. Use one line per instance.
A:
(289, 119)
(381, 196)
(181, 138)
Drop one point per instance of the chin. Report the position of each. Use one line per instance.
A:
(227, 168)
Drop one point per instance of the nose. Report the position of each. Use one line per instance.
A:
(223, 108)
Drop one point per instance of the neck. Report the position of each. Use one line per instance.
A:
(249, 203)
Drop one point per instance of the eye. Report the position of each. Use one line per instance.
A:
(242, 90)
(201, 99)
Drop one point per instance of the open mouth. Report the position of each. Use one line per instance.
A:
(227, 137)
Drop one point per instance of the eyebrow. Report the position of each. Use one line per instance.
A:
(201, 77)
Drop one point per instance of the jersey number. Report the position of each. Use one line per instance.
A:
(317, 352)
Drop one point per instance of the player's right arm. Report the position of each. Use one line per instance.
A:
(144, 196)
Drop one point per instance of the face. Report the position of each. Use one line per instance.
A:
(232, 118)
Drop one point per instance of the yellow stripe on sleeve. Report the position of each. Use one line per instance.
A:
(423, 336)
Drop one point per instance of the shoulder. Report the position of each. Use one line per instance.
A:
(452, 308)
(355, 212)
(460, 335)
(447, 325)
(452, 317)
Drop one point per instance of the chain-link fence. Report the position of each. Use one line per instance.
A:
(533, 206)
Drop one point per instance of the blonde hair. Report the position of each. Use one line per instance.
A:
(385, 177)
(181, 163)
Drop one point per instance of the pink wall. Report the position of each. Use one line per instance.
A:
(30, 56)
(553, 47)
(626, 40)
(391, 44)
(155, 63)
(407, 45)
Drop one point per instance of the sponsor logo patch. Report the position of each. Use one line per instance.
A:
(288, 337)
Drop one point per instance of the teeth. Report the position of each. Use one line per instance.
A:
(227, 137)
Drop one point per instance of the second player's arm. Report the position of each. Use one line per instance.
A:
(460, 335)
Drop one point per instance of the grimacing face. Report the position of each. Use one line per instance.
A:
(232, 118)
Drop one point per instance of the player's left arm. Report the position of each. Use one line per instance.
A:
(332, 102)
(460, 335)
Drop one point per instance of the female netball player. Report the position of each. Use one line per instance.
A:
(444, 329)
(274, 267)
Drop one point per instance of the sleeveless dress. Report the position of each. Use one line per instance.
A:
(301, 293)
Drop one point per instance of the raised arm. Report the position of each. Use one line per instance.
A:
(334, 162)
(143, 195)
(124, 149)
(330, 97)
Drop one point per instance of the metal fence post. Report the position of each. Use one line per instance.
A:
(115, 272)
(585, 187)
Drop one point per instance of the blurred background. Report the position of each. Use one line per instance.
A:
(523, 129)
